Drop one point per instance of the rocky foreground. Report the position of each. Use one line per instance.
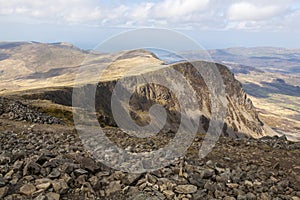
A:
(48, 162)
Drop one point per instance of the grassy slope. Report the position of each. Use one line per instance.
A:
(279, 110)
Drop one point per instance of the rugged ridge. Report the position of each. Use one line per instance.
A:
(54, 82)
(242, 118)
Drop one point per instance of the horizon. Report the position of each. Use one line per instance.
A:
(88, 49)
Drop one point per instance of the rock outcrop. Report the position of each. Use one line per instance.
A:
(19, 111)
(241, 119)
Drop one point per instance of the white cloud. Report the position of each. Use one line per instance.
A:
(179, 12)
(54, 10)
(141, 11)
(290, 22)
(243, 11)
(178, 8)
(204, 14)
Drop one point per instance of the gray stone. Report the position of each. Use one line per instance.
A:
(28, 189)
(60, 186)
(38, 192)
(232, 185)
(54, 174)
(88, 164)
(31, 167)
(219, 194)
(113, 187)
(131, 178)
(18, 165)
(9, 175)
(42, 180)
(186, 189)
(41, 197)
(207, 173)
(200, 194)
(95, 182)
(196, 179)
(3, 191)
(69, 167)
(248, 183)
(251, 196)
(53, 196)
(169, 194)
(79, 172)
(241, 197)
(210, 164)
(228, 198)
(2, 182)
(43, 186)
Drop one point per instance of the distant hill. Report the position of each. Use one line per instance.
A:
(264, 58)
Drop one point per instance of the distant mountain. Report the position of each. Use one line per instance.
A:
(264, 58)
(30, 65)
(268, 59)
(31, 59)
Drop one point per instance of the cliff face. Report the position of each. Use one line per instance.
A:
(241, 120)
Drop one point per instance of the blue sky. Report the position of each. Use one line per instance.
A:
(213, 23)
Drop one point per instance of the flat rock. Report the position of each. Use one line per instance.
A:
(53, 196)
(232, 185)
(60, 186)
(28, 189)
(186, 189)
(42, 180)
(43, 186)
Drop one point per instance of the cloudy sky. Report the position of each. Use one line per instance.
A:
(213, 23)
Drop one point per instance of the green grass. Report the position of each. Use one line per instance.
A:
(62, 112)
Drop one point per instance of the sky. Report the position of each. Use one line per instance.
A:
(212, 23)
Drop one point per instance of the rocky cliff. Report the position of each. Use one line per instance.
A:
(48, 77)
(241, 119)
